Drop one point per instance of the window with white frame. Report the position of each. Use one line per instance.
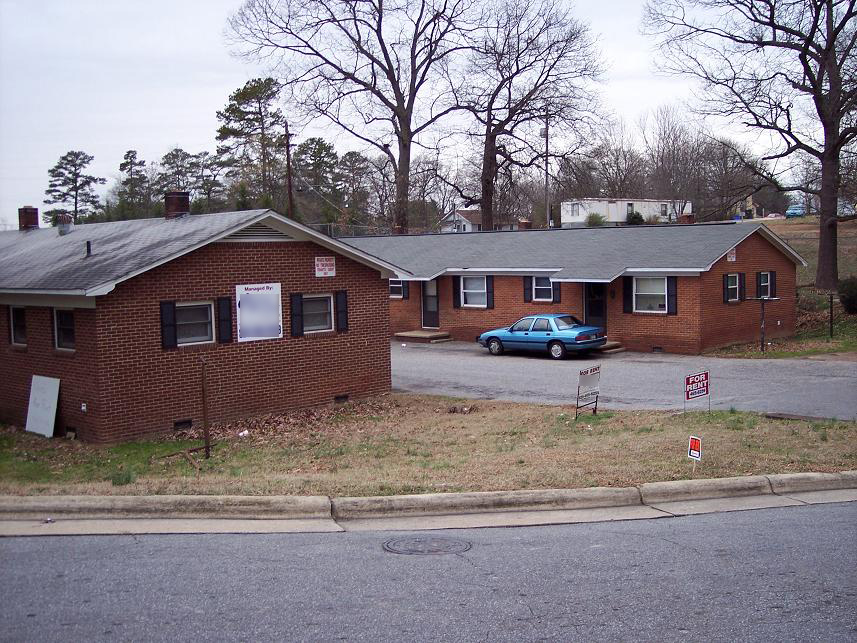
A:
(764, 284)
(395, 288)
(64, 328)
(732, 290)
(474, 292)
(650, 295)
(194, 323)
(318, 313)
(664, 210)
(18, 325)
(542, 289)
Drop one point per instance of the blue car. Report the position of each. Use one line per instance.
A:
(555, 333)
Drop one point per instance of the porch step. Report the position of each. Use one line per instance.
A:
(609, 348)
(423, 336)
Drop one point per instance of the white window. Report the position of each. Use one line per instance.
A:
(18, 325)
(542, 289)
(318, 313)
(395, 288)
(732, 287)
(650, 295)
(764, 284)
(64, 329)
(664, 210)
(194, 323)
(473, 292)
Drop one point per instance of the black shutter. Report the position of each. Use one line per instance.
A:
(772, 281)
(742, 286)
(456, 292)
(341, 311)
(168, 324)
(725, 289)
(528, 288)
(296, 304)
(758, 284)
(224, 320)
(672, 295)
(627, 295)
(489, 291)
(406, 289)
(557, 292)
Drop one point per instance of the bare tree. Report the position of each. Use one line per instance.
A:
(530, 61)
(785, 68)
(621, 167)
(374, 69)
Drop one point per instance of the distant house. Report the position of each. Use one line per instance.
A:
(124, 313)
(471, 221)
(617, 210)
(673, 288)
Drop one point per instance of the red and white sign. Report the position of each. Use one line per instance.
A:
(325, 266)
(694, 448)
(732, 255)
(696, 385)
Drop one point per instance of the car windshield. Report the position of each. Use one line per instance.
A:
(566, 321)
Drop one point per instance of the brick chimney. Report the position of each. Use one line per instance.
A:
(65, 223)
(28, 218)
(176, 204)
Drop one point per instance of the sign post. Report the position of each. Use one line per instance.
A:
(588, 385)
(697, 385)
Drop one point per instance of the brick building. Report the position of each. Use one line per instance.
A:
(681, 288)
(123, 313)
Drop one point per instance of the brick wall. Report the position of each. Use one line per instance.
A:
(77, 370)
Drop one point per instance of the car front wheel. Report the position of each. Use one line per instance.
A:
(557, 350)
(495, 346)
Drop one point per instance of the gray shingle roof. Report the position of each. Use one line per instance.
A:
(575, 254)
(42, 260)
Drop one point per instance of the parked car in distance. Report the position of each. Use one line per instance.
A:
(794, 211)
(775, 215)
(554, 333)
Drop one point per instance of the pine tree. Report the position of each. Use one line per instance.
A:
(132, 188)
(70, 187)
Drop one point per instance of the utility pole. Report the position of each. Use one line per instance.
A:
(289, 172)
(548, 219)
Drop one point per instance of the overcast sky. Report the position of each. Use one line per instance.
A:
(105, 77)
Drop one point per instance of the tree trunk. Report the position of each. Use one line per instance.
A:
(403, 183)
(827, 271)
(489, 173)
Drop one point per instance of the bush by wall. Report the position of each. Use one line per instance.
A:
(594, 219)
(848, 295)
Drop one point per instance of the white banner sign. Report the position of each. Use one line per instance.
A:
(590, 380)
(260, 312)
(325, 266)
(42, 412)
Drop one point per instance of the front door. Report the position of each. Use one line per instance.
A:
(595, 305)
(431, 315)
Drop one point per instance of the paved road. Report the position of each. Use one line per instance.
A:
(775, 574)
(630, 380)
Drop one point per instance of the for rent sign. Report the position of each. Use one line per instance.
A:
(696, 385)
(694, 448)
(590, 380)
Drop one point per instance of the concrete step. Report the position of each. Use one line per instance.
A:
(422, 336)
(620, 349)
(442, 340)
(611, 347)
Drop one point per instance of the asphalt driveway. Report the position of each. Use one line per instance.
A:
(630, 380)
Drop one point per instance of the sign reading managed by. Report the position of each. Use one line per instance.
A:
(260, 312)
(694, 448)
(42, 412)
(589, 382)
(325, 266)
(696, 385)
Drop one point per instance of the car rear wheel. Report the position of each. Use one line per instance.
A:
(495, 346)
(557, 350)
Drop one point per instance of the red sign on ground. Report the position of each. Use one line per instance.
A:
(694, 448)
(696, 385)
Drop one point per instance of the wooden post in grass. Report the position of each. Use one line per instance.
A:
(205, 432)
(831, 314)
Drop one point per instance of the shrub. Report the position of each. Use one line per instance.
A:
(634, 218)
(810, 301)
(594, 219)
(848, 295)
(121, 478)
(652, 219)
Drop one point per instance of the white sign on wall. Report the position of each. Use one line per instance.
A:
(732, 255)
(325, 266)
(260, 312)
(42, 412)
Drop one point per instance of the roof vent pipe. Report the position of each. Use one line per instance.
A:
(89, 248)
(65, 223)
(28, 218)
(176, 204)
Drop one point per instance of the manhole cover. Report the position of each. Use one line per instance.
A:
(424, 546)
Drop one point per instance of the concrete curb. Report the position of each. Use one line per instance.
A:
(249, 507)
(483, 502)
(357, 508)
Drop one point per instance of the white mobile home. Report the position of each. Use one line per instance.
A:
(617, 210)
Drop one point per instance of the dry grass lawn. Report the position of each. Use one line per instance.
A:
(413, 444)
